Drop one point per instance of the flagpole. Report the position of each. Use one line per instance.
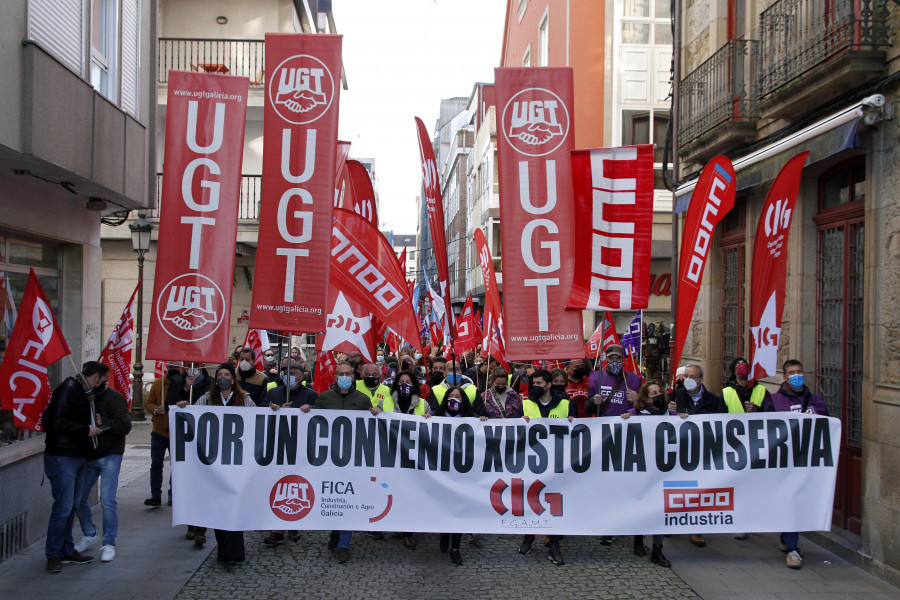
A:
(191, 391)
(287, 396)
(641, 350)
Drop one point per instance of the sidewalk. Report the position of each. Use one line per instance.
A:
(154, 561)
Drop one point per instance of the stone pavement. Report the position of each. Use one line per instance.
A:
(154, 561)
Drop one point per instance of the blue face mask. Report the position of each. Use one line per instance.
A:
(796, 381)
(344, 382)
(452, 378)
(292, 381)
(614, 367)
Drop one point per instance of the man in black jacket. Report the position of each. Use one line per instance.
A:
(694, 398)
(67, 422)
(104, 463)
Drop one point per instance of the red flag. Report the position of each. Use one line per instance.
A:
(493, 314)
(365, 268)
(769, 271)
(431, 184)
(609, 335)
(359, 195)
(117, 353)
(535, 136)
(326, 365)
(349, 327)
(159, 368)
(342, 152)
(299, 152)
(258, 341)
(711, 200)
(466, 338)
(194, 277)
(613, 190)
(36, 343)
(595, 342)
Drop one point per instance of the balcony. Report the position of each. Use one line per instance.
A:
(718, 101)
(812, 52)
(249, 203)
(245, 58)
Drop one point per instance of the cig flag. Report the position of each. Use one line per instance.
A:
(118, 350)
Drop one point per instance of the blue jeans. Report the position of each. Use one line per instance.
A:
(344, 539)
(791, 540)
(159, 444)
(66, 476)
(107, 470)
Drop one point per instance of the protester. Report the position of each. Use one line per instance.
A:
(251, 381)
(453, 378)
(236, 356)
(270, 367)
(227, 392)
(68, 428)
(544, 402)
(371, 386)
(499, 401)
(155, 404)
(405, 392)
(558, 380)
(651, 401)
(695, 399)
(577, 385)
(612, 390)
(104, 463)
(343, 395)
(794, 396)
(741, 395)
(480, 372)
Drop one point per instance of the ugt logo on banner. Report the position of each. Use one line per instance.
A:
(292, 498)
(536, 122)
(301, 89)
(190, 307)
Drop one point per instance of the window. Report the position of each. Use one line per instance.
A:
(526, 58)
(520, 11)
(644, 21)
(104, 17)
(733, 249)
(16, 258)
(645, 127)
(544, 42)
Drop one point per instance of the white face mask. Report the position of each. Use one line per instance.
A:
(691, 385)
(245, 365)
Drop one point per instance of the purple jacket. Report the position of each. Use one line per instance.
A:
(787, 400)
(601, 382)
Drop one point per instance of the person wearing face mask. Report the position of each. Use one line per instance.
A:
(740, 394)
(227, 392)
(544, 402)
(577, 385)
(453, 377)
(405, 392)
(612, 390)
(103, 464)
(155, 404)
(651, 401)
(291, 395)
(343, 395)
(499, 401)
(794, 396)
(370, 385)
(251, 381)
(558, 381)
(270, 368)
(69, 427)
(456, 404)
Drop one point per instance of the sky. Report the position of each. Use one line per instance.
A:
(401, 58)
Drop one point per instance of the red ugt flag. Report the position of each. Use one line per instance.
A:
(36, 343)
(117, 353)
(258, 341)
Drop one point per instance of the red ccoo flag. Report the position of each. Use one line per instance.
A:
(117, 353)
(258, 341)
(466, 336)
(36, 343)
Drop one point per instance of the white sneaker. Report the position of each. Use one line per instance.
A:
(86, 542)
(793, 560)
(107, 553)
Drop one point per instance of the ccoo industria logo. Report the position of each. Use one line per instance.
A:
(190, 307)
(301, 89)
(291, 498)
(686, 503)
(535, 121)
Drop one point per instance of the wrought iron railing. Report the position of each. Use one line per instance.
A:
(797, 35)
(249, 203)
(233, 57)
(721, 89)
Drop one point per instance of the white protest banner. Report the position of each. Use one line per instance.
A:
(255, 469)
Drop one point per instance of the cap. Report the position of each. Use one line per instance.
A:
(227, 366)
(615, 349)
(681, 371)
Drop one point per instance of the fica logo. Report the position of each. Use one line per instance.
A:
(301, 89)
(535, 122)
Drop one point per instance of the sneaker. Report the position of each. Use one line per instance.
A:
(525, 547)
(793, 560)
(107, 553)
(54, 564)
(740, 536)
(456, 557)
(554, 555)
(343, 555)
(86, 542)
(154, 501)
(698, 540)
(77, 558)
(333, 540)
(191, 534)
(274, 538)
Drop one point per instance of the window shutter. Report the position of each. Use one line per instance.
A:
(57, 26)
(130, 55)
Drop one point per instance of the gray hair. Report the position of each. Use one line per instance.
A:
(699, 368)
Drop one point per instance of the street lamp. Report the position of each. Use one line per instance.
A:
(140, 243)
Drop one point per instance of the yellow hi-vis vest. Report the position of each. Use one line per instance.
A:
(440, 390)
(734, 403)
(531, 410)
(381, 399)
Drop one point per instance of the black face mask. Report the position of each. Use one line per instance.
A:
(436, 378)
(558, 387)
(660, 402)
(172, 373)
(500, 389)
(99, 389)
(578, 373)
(535, 393)
(370, 381)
